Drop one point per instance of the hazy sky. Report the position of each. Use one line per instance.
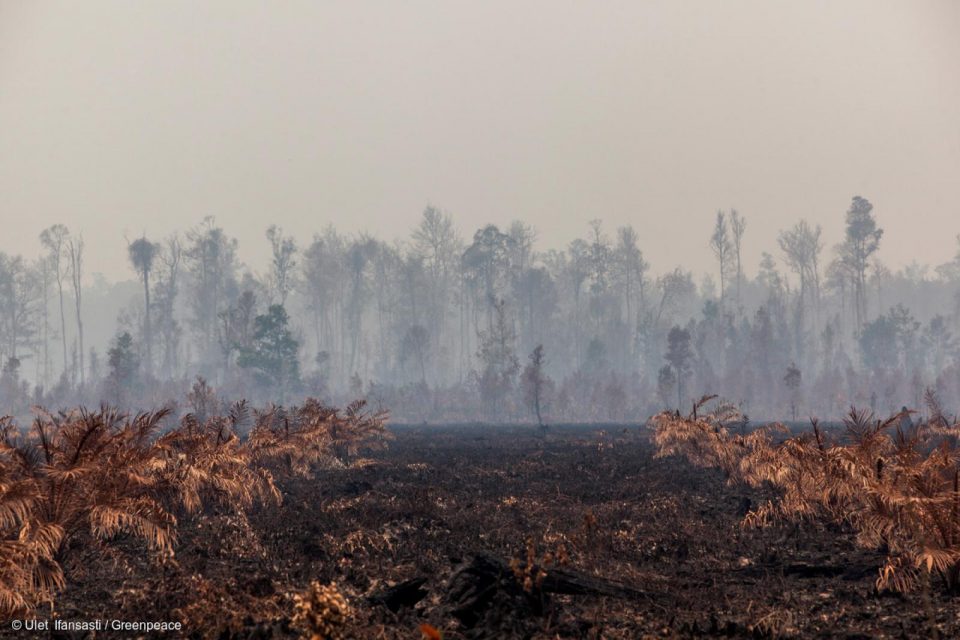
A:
(123, 117)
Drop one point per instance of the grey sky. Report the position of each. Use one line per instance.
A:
(127, 117)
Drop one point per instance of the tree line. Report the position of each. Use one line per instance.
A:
(438, 326)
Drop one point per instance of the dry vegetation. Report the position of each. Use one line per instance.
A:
(91, 478)
(264, 525)
(892, 483)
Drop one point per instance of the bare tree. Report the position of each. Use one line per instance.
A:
(44, 272)
(738, 226)
(54, 240)
(210, 261)
(167, 288)
(75, 252)
(721, 246)
(577, 271)
(801, 246)
(631, 273)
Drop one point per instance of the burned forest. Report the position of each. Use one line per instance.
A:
(439, 321)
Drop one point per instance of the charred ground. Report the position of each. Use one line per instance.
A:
(446, 525)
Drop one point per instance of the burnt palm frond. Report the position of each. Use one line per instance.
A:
(104, 473)
(895, 484)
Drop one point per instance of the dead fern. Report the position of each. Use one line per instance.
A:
(705, 439)
(105, 474)
(298, 438)
(896, 484)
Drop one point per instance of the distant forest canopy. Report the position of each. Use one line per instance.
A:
(445, 327)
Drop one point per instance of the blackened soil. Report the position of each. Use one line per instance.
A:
(409, 535)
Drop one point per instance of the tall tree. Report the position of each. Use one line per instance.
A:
(485, 264)
(435, 240)
(283, 250)
(359, 257)
(237, 325)
(521, 237)
(19, 308)
(44, 272)
(738, 226)
(499, 360)
(540, 293)
(75, 252)
(631, 272)
(416, 344)
(940, 343)
(322, 278)
(721, 246)
(577, 269)
(54, 240)
(274, 352)
(862, 241)
(601, 262)
(631, 282)
(210, 261)
(124, 368)
(436, 243)
(801, 247)
(536, 383)
(679, 355)
(166, 289)
(142, 254)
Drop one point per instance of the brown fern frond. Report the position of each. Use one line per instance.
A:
(897, 485)
(101, 473)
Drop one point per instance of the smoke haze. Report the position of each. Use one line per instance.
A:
(124, 118)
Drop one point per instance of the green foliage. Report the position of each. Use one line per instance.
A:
(124, 366)
(273, 354)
